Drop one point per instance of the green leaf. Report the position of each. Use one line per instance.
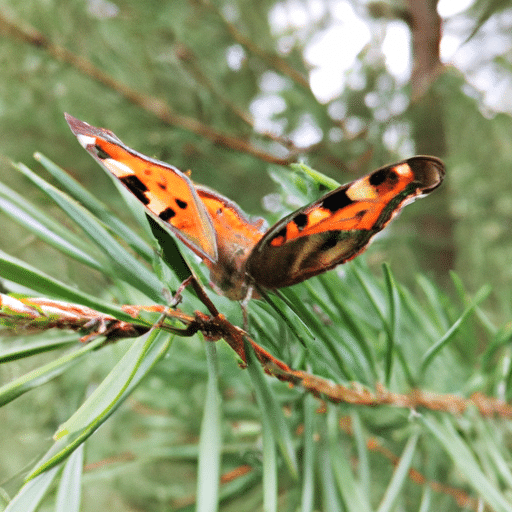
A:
(330, 497)
(318, 177)
(354, 499)
(394, 318)
(400, 476)
(170, 251)
(110, 394)
(43, 374)
(363, 466)
(70, 485)
(375, 298)
(128, 268)
(38, 346)
(28, 276)
(435, 300)
(210, 440)
(433, 351)
(286, 312)
(269, 467)
(30, 495)
(107, 395)
(499, 340)
(96, 207)
(466, 463)
(46, 228)
(346, 318)
(271, 412)
(310, 455)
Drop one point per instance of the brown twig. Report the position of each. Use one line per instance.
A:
(26, 316)
(462, 498)
(44, 314)
(157, 106)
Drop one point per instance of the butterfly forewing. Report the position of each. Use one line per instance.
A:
(340, 225)
(164, 190)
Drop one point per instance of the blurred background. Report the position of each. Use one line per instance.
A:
(234, 89)
(231, 89)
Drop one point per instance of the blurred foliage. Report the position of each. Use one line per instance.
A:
(227, 75)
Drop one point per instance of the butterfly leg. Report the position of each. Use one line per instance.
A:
(202, 296)
(177, 298)
(199, 291)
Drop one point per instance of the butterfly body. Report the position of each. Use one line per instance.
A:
(236, 239)
(239, 252)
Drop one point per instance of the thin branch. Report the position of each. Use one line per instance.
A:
(189, 61)
(28, 316)
(157, 106)
(271, 59)
(463, 499)
(42, 314)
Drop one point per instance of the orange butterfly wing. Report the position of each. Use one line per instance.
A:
(165, 191)
(340, 225)
(334, 229)
(236, 238)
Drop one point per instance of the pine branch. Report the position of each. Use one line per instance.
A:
(32, 314)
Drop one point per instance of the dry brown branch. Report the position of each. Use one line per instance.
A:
(27, 316)
(42, 314)
(462, 498)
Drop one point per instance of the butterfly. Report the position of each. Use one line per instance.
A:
(240, 253)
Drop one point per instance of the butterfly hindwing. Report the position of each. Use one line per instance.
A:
(236, 237)
(164, 190)
(339, 226)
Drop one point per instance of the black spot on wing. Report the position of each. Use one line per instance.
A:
(280, 234)
(336, 201)
(330, 241)
(167, 214)
(163, 186)
(136, 187)
(378, 177)
(301, 221)
(382, 175)
(181, 204)
(392, 176)
(101, 153)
